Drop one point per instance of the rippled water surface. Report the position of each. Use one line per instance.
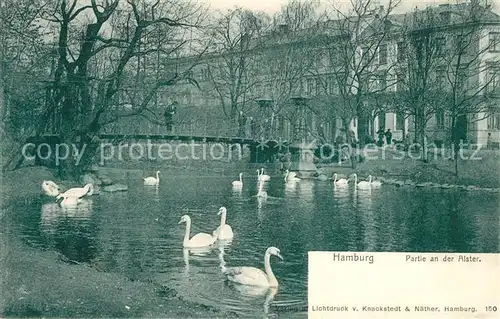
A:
(136, 233)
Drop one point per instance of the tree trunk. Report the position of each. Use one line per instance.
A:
(420, 134)
(363, 129)
(349, 142)
(455, 142)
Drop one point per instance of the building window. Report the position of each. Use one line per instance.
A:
(381, 121)
(400, 121)
(382, 54)
(494, 121)
(440, 79)
(381, 82)
(365, 55)
(440, 46)
(463, 78)
(401, 81)
(440, 119)
(204, 74)
(401, 51)
(494, 43)
(319, 86)
(310, 86)
(492, 86)
(258, 89)
(332, 85)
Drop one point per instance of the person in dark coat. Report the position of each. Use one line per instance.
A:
(242, 120)
(381, 134)
(388, 136)
(169, 115)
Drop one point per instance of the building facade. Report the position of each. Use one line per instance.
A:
(285, 65)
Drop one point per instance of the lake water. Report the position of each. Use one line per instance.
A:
(136, 233)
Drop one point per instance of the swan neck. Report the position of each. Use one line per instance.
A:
(222, 219)
(90, 189)
(157, 175)
(286, 175)
(269, 271)
(186, 234)
(241, 178)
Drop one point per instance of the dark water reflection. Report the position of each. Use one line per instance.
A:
(137, 234)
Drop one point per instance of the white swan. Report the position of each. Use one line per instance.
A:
(50, 188)
(78, 192)
(291, 177)
(224, 231)
(362, 184)
(253, 276)
(152, 180)
(339, 182)
(198, 240)
(261, 193)
(374, 183)
(68, 201)
(238, 183)
(261, 176)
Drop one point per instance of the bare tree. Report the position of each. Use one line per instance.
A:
(470, 72)
(231, 69)
(355, 65)
(117, 34)
(420, 53)
(23, 69)
(286, 58)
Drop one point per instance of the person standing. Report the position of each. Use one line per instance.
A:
(388, 136)
(380, 133)
(169, 114)
(253, 128)
(489, 142)
(241, 124)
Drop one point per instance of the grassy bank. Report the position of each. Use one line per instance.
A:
(43, 283)
(481, 171)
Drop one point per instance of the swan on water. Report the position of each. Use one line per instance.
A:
(291, 176)
(261, 176)
(78, 192)
(261, 193)
(362, 184)
(339, 182)
(238, 183)
(224, 231)
(50, 188)
(374, 183)
(252, 276)
(198, 240)
(68, 201)
(152, 180)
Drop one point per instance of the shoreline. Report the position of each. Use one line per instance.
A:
(482, 173)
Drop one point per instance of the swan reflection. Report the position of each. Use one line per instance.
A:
(306, 190)
(365, 200)
(237, 191)
(153, 192)
(83, 210)
(50, 213)
(290, 186)
(222, 262)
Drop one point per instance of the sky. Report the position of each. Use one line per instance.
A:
(272, 6)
